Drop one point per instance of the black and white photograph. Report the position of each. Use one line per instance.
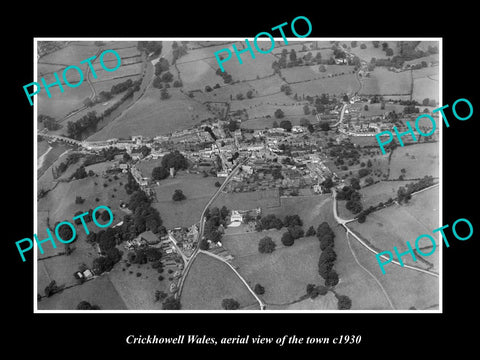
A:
(238, 178)
(228, 180)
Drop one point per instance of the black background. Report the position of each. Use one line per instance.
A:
(56, 335)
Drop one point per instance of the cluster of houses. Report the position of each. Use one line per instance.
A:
(184, 238)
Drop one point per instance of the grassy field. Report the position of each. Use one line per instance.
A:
(309, 208)
(99, 292)
(380, 192)
(138, 292)
(390, 227)
(151, 116)
(267, 105)
(418, 160)
(197, 75)
(196, 188)
(405, 287)
(267, 86)
(265, 199)
(208, 282)
(249, 69)
(61, 201)
(284, 273)
(425, 88)
(347, 83)
(326, 302)
(382, 81)
(307, 73)
(371, 52)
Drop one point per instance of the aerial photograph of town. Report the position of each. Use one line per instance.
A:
(258, 188)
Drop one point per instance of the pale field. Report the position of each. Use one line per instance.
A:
(393, 226)
(382, 81)
(99, 292)
(374, 194)
(425, 88)
(307, 73)
(267, 86)
(209, 281)
(281, 273)
(265, 199)
(197, 75)
(151, 116)
(336, 85)
(138, 293)
(250, 68)
(422, 159)
(405, 287)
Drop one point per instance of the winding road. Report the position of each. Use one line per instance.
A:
(343, 222)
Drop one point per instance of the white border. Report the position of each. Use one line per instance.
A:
(35, 222)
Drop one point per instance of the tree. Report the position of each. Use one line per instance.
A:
(369, 180)
(79, 200)
(365, 107)
(217, 184)
(279, 114)
(322, 68)
(167, 77)
(177, 83)
(362, 217)
(266, 245)
(304, 122)
(259, 289)
(275, 124)
(310, 231)
(296, 231)
(363, 46)
(389, 52)
(364, 172)
(249, 94)
(332, 278)
(160, 295)
(159, 173)
(306, 109)
(65, 232)
(286, 124)
(344, 302)
(287, 239)
(239, 96)
(178, 195)
(85, 305)
(324, 126)
(293, 55)
(164, 95)
(170, 303)
(230, 304)
(203, 245)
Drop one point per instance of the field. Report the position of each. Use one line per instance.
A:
(375, 109)
(425, 88)
(338, 85)
(374, 194)
(418, 160)
(61, 201)
(385, 82)
(371, 52)
(267, 105)
(197, 74)
(265, 199)
(267, 86)
(326, 302)
(196, 188)
(99, 292)
(151, 116)
(138, 292)
(250, 68)
(308, 73)
(284, 273)
(208, 282)
(354, 281)
(405, 287)
(393, 226)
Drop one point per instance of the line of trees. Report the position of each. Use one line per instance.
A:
(328, 256)
(404, 193)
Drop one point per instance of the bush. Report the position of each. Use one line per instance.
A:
(230, 304)
(287, 239)
(266, 245)
(259, 289)
(344, 302)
